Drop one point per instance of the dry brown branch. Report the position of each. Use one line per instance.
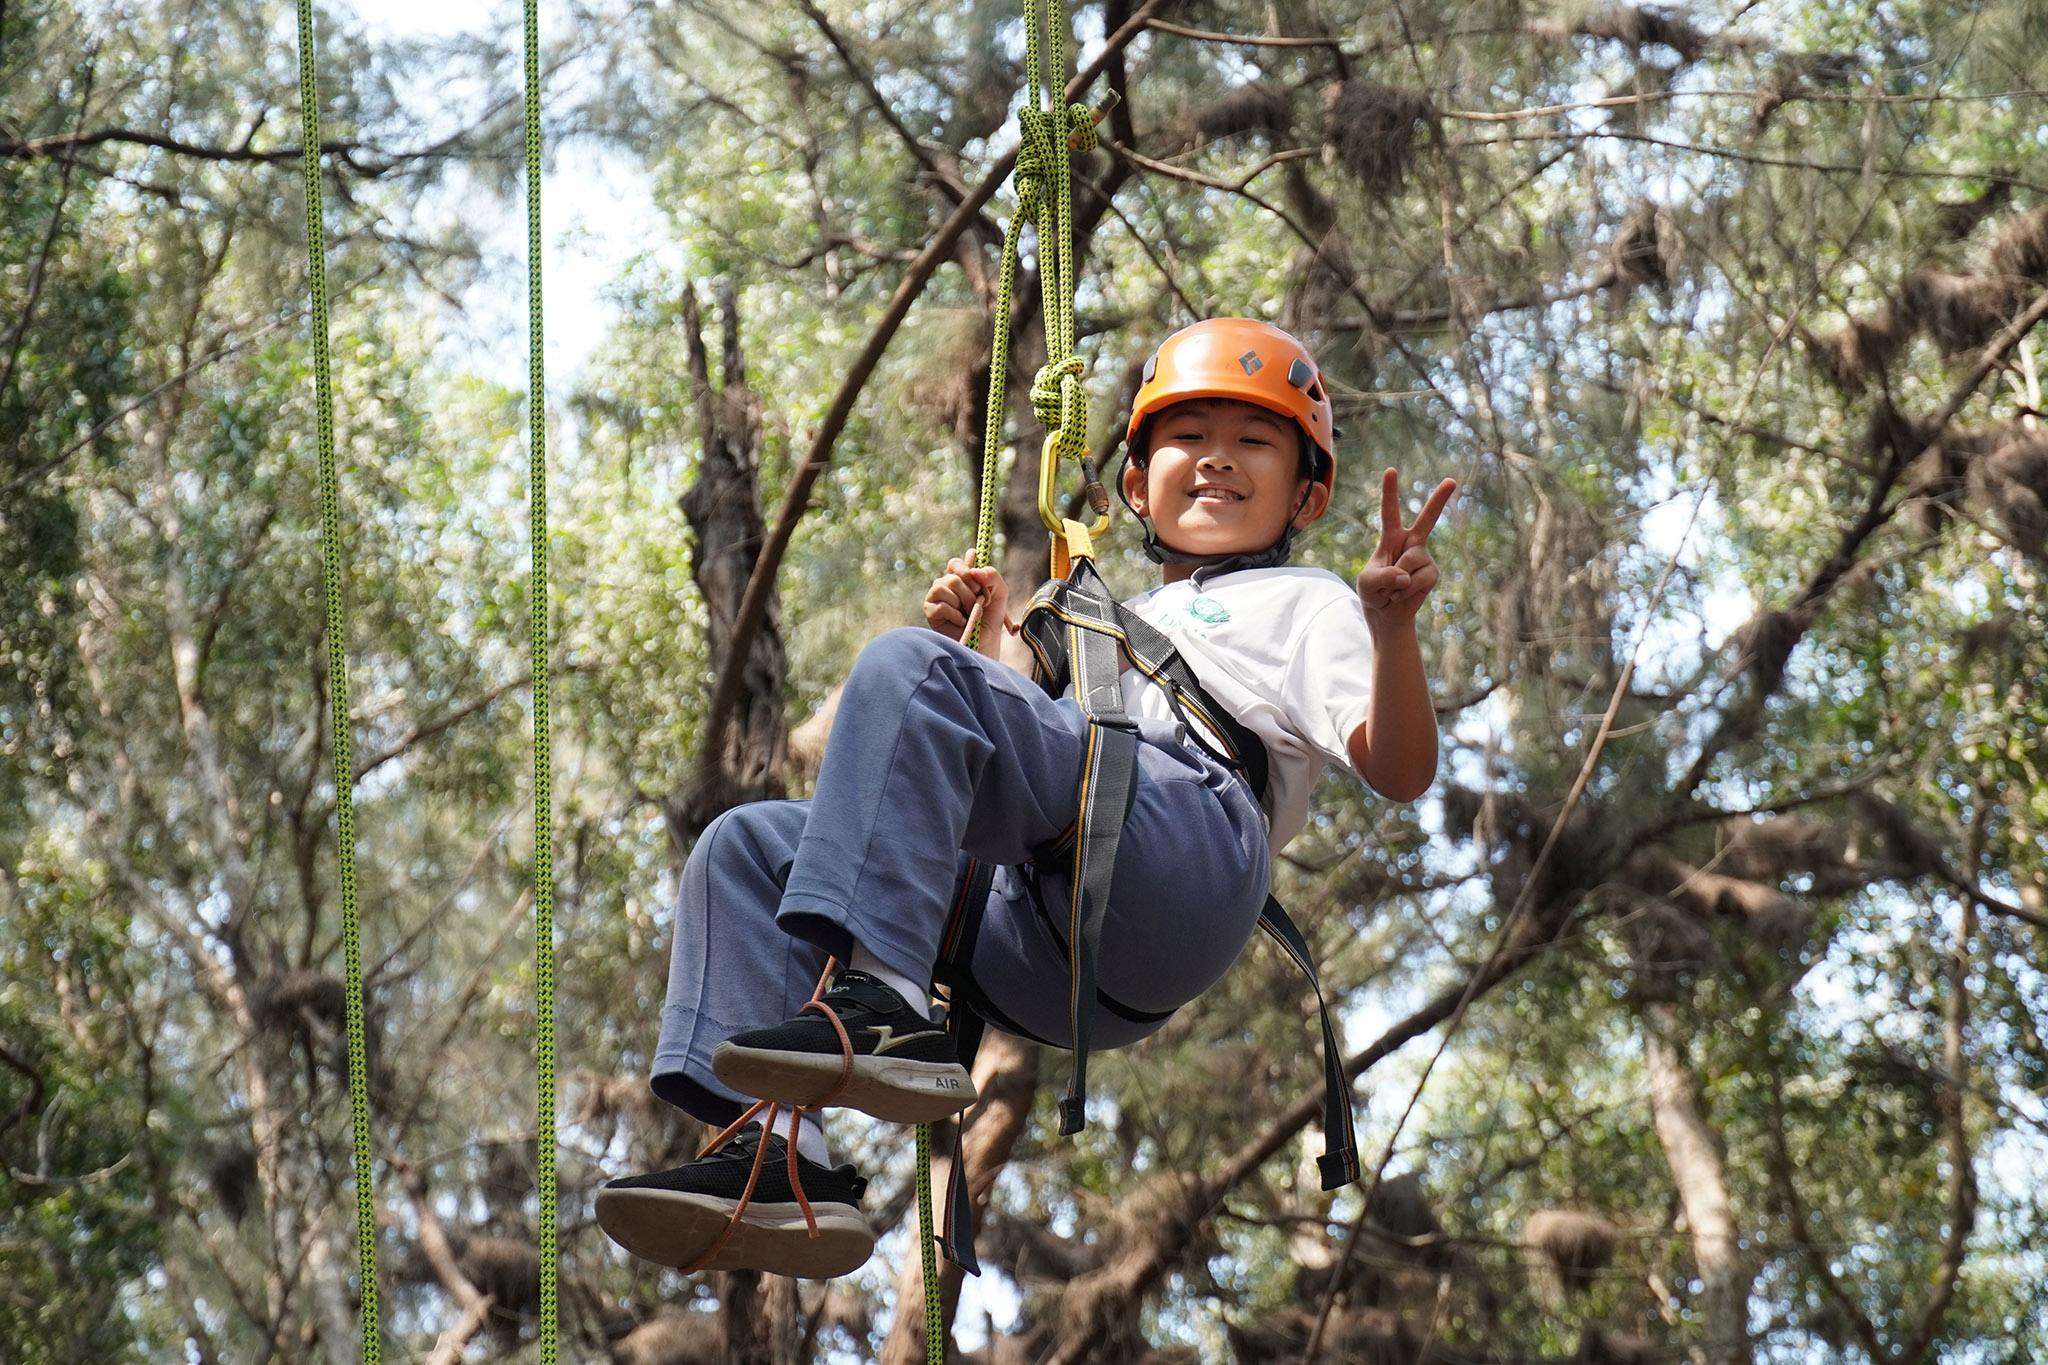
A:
(1692, 1148)
(1730, 154)
(428, 729)
(1640, 27)
(1764, 646)
(1372, 131)
(441, 1258)
(1239, 39)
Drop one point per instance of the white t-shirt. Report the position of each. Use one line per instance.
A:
(1286, 652)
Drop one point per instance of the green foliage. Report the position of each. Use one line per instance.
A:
(1803, 843)
(77, 1227)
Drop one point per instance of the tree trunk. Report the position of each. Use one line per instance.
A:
(723, 506)
(1694, 1153)
(1006, 1075)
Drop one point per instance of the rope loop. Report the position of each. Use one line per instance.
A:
(1081, 135)
(1053, 389)
(1061, 406)
(1037, 157)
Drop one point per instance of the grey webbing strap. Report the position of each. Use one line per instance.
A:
(1155, 655)
(1109, 779)
(1339, 1161)
(1075, 631)
(1084, 599)
(956, 1232)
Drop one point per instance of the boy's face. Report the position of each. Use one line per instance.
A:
(1224, 477)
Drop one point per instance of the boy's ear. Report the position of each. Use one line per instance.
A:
(1317, 504)
(1134, 488)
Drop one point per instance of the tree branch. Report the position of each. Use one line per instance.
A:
(760, 585)
(1773, 635)
(428, 729)
(1962, 1176)
(1241, 39)
(476, 1306)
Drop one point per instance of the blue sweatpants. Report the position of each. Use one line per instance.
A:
(938, 755)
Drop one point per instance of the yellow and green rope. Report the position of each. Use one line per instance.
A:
(337, 669)
(343, 752)
(543, 782)
(1049, 134)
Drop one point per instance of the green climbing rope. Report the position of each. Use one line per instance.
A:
(337, 690)
(543, 784)
(1049, 134)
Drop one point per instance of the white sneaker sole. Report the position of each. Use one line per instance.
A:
(672, 1228)
(892, 1088)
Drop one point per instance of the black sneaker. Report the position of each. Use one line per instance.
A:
(904, 1067)
(672, 1217)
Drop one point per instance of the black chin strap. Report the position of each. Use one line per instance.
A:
(1208, 566)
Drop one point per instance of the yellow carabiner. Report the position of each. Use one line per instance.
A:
(1048, 506)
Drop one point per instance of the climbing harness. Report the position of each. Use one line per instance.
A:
(1079, 634)
(1049, 133)
(340, 747)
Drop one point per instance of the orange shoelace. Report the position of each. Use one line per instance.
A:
(774, 1110)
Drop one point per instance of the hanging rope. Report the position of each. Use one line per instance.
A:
(543, 784)
(342, 751)
(1049, 136)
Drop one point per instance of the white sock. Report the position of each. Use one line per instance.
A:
(810, 1140)
(913, 994)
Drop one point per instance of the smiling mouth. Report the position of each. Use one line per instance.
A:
(1213, 493)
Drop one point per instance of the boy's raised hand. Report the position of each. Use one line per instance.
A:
(959, 592)
(1401, 573)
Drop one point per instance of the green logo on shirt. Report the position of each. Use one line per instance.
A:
(1208, 609)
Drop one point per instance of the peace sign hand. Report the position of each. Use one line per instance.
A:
(1401, 573)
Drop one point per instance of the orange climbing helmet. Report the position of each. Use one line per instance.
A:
(1245, 359)
(1252, 361)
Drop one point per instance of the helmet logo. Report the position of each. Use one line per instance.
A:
(1251, 362)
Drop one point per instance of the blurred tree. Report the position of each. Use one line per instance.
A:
(1699, 1009)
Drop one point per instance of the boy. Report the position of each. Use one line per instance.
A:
(940, 754)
